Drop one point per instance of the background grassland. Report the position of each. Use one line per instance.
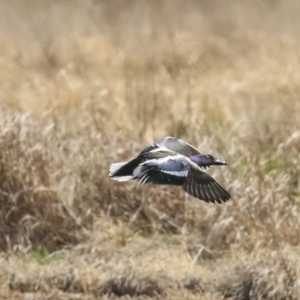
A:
(87, 83)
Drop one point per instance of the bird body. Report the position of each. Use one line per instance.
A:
(171, 161)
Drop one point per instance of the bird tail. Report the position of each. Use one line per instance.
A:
(124, 171)
(114, 169)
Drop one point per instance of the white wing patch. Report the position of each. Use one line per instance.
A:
(183, 173)
(161, 149)
(159, 161)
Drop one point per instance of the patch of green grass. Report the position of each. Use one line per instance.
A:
(43, 256)
(273, 166)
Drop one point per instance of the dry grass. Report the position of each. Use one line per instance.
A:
(88, 83)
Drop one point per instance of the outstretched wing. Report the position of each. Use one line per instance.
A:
(168, 170)
(177, 145)
(202, 186)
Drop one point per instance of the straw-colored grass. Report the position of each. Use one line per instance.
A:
(84, 84)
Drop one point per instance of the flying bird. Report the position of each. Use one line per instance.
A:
(171, 161)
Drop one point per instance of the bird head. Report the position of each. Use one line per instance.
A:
(207, 160)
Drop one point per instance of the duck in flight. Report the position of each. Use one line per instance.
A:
(171, 161)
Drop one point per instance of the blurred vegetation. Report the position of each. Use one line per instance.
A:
(88, 83)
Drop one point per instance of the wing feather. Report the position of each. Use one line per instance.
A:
(177, 145)
(201, 184)
(171, 170)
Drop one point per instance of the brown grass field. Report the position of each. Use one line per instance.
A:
(84, 84)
